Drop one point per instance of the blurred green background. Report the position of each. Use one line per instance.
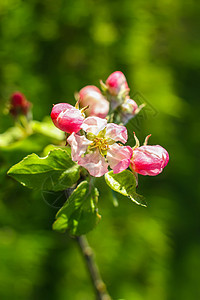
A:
(50, 49)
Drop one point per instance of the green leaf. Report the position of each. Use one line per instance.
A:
(125, 184)
(55, 172)
(79, 214)
(51, 147)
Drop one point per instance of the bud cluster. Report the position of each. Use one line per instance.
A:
(117, 91)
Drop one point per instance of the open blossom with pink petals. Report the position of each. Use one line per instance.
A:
(92, 96)
(66, 117)
(97, 149)
(149, 160)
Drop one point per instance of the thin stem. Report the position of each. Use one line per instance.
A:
(98, 284)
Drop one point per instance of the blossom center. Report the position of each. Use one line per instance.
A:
(100, 143)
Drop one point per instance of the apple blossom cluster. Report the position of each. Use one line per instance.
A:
(96, 142)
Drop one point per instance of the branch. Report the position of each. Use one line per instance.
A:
(98, 284)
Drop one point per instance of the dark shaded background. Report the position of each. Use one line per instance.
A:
(49, 49)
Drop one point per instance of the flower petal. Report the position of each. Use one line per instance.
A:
(94, 124)
(95, 163)
(116, 132)
(78, 145)
(119, 157)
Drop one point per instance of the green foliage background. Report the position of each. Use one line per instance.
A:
(49, 49)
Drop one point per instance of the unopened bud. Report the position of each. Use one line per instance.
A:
(92, 97)
(128, 110)
(66, 117)
(19, 104)
(149, 160)
(116, 83)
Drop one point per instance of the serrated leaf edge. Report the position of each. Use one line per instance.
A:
(34, 154)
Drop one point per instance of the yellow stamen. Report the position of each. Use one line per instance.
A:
(101, 144)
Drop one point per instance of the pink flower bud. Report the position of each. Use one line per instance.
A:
(19, 104)
(149, 160)
(66, 117)
(129, 106)
(128, 110)
(18, 99)
(116, 83)
(88, 88)
(92, 96)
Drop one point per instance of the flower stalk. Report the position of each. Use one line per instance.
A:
(88, 255)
